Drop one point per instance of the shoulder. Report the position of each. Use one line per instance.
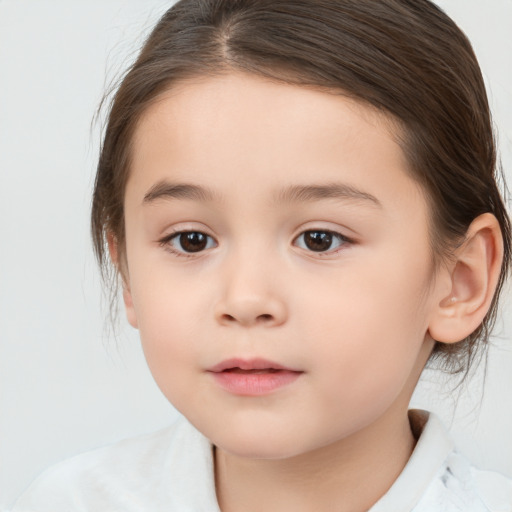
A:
(439, 479)
(494, 488)
(126, 476)
(459, 486)
(491, 489)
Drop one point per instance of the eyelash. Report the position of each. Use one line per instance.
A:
(166, 242)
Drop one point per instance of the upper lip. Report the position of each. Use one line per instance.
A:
(249, 364)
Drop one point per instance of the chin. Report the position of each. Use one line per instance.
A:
(264, 442)
(263, 448)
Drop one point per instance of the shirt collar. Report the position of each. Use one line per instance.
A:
(193, 481)
(432, 449)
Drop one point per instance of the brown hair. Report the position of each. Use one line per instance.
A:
(406, 58)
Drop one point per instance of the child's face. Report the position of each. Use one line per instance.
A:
(311, 250)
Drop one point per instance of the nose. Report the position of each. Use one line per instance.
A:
(249, 298)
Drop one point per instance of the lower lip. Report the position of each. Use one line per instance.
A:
(255, 384)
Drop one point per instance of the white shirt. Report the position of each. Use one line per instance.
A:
(172, 470)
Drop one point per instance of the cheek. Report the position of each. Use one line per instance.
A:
(370, 326)
(167, 314)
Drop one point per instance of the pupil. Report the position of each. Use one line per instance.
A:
(193, 241)
(318, 240)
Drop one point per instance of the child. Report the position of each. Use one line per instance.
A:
(299, 198)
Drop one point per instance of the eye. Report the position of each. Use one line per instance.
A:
(187, 242)
(320, 241)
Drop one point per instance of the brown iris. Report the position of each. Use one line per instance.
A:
(193, 241)
(318, 240)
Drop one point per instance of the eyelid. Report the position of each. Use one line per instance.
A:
(328, 226)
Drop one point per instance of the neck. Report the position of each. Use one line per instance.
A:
(352, 473)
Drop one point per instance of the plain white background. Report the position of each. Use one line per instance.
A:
(65, 386)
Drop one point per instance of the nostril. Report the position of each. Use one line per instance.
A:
(265, 318)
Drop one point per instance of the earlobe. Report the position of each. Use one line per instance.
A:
(473, 277)
(113, 249)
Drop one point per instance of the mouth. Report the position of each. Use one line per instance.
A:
(251, 372)
(253, 377)
(250, 366)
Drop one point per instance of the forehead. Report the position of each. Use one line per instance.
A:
(204, 103)
(264, 135)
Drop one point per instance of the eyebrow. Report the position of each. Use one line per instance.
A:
(166, 190)
(294, 193)
(303, 193)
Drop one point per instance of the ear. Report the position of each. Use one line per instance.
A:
(471, 279)
(122, 269)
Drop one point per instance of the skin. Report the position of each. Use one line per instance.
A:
(354, 319)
